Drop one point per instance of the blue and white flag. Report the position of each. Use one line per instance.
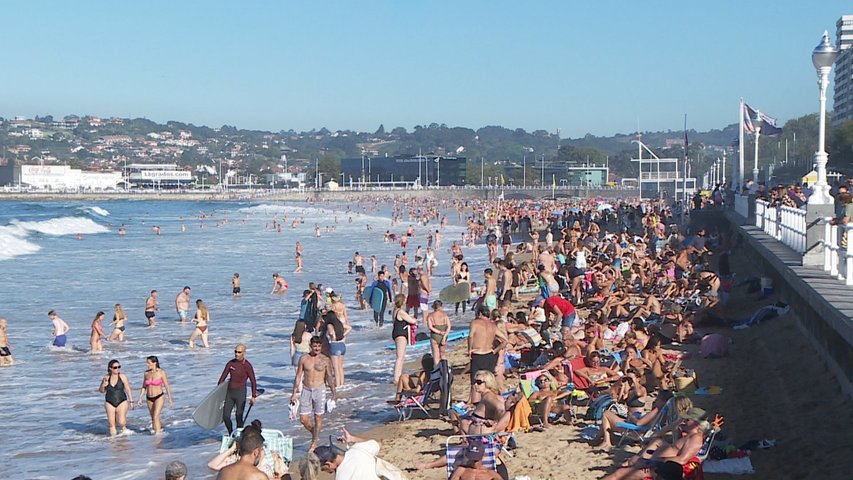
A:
(768, 123)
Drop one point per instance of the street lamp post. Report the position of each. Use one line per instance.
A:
(757, 122)
(823, 57)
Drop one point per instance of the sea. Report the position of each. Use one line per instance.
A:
(69, 257)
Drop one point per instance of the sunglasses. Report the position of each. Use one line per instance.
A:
(239, 351)
(115, 367)
(479, 382)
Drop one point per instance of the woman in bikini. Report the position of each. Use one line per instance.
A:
(463, 275)
(118, 324)
(97, 333)
(155, 384)
(118, 396)
(201, 320)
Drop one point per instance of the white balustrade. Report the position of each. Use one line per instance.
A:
(848, 254)
(793, 228)
(760, 209)
(827, 246)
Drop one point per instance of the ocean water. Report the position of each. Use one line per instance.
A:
(49, 403)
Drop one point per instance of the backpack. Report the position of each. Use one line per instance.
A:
(598, 406)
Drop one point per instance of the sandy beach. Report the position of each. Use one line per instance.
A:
(774, 387)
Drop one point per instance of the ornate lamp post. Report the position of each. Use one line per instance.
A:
(823, 57)
(757, 122)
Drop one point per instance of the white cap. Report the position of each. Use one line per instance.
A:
(329, 290)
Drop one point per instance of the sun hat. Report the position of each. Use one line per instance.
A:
(694, 413)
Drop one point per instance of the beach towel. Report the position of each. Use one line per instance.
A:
(519, 418)
(714, 345)
(733, 466)
(456, 454)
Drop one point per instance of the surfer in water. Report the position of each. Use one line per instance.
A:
(383, 288)
(240, 371)
(309, 388)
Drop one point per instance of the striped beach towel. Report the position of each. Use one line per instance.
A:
(456, 454)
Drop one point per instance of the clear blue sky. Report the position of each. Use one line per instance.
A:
(581, 66)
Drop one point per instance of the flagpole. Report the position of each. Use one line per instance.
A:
(684, 187)
(740, 164)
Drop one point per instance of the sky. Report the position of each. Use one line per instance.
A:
(600, 67)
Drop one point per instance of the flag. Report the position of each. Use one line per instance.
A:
(502, 179)
(768, 123)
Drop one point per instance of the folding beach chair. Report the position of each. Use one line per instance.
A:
(456, 452)
(274, 441)
(409, 403)
(643, 433)
(694, 465)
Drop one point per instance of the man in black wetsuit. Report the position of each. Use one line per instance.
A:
(241, 371)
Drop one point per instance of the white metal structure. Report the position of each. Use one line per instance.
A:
(662, 172)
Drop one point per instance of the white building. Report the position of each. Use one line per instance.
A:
(63, 177)
(843, 90)
(158, 175)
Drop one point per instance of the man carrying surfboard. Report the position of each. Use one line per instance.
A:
(240, 371)
(380, 292)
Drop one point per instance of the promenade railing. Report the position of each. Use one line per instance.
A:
(786, 224)
(838, 250)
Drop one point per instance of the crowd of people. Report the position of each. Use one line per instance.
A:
(575, 298)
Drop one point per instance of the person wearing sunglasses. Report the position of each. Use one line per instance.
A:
(118, 396)
(240, 371)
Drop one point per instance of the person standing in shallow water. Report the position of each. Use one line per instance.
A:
(298, 257)
(5, 346)
(95, 345)
(60, 329)
(182, 304)
(151, 308)
(155, 385)
(118, 396)
(201, 320)
(119, 318)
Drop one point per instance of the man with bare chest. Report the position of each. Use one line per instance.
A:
(312, 375)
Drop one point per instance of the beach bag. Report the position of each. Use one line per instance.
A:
(686, 381)
(598, 406)
(388, 471)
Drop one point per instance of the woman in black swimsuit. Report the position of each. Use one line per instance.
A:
(400, 333)
(155, 385)
(118, 396)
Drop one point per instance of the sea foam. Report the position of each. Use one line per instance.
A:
(15, 238)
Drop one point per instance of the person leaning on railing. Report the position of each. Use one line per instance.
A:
(845, 213)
